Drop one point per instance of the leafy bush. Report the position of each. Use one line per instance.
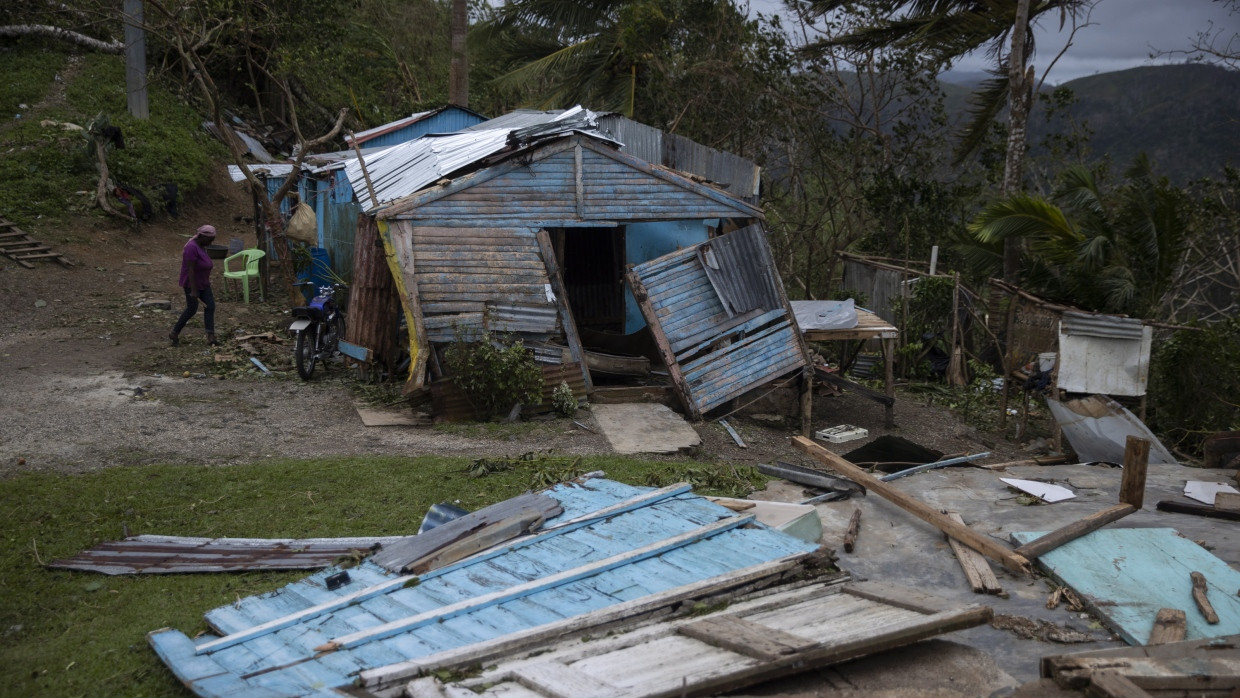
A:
(1195, 385)
(495, 375)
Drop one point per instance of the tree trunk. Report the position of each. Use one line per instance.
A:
(1020, 84)
(458, 69)
(62, 35)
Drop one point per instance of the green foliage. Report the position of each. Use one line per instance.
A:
(1195, 385)
(45, 167)
(715, 479)
(494, 374)
(543, 469)
(562, 400)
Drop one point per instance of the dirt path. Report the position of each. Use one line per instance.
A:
(88, 380)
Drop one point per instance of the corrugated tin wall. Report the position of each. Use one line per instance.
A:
(879, 288)
(447, 121)
(338, 224)
(736, 175)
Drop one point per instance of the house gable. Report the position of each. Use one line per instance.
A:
(572, 181)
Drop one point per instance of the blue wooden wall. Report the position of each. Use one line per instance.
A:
(450, 120)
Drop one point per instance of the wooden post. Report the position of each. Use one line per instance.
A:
(561, 303)
(1200, 588)
(982, 544)
(807, 400)
(889, 350)
(854, 528)
(1136, 458)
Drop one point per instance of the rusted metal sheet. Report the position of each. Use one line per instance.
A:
(449, 403)
(714, 355)
(177, 554)
(374, 302)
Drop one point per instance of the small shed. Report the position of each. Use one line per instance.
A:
(531, 230)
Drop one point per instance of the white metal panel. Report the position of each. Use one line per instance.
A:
(1103, 365)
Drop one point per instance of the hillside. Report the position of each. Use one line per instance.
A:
(1185, 117)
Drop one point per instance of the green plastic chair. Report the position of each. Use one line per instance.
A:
(249, 270)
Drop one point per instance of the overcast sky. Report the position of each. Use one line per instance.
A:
(1123, 34)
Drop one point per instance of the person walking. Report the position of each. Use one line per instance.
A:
(196, 281)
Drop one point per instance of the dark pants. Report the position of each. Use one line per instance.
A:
(191, 307)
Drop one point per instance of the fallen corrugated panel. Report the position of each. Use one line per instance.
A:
(752, 641)
(716, 352)
(1126, 575)
(614, 544)
(1097, 427)
(178, 554)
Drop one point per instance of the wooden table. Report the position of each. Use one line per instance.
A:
(869, 326)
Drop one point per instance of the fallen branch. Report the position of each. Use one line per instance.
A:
(61, 35)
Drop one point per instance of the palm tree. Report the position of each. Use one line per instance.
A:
(1112, 252)
(949, 29)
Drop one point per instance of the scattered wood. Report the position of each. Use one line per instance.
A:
(1227, 501)
(1074, 530)
(1191, 667)
(17, 245)
(984, 545)
(1065, 594)
(1169, 626)
(750, 642)
(1201, 598)
(981, 578)
(854, 527)
(1136, 458)
(1180, 507)
(1045, 460)
(400, 556)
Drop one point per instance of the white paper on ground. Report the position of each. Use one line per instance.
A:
(1044, 491)
(1205, 491)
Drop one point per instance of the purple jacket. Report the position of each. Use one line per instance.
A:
(194, 260)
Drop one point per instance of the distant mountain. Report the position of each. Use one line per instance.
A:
(1185, 117)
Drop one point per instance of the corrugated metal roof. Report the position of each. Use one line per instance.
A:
(363, 136)
(178, 554)
(1108, 326)
(518, 119)
(613, 543)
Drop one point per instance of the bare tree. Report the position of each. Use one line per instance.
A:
(192, 41)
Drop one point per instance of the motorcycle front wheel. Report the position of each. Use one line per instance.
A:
(304, 352)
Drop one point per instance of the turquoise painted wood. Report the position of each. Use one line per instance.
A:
(284, 661)
(1126, 574)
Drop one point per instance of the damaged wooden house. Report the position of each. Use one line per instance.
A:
(578, 234)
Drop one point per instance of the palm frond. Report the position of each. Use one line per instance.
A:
(984, 107)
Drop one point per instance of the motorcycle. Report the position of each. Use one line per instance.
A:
(319, 327)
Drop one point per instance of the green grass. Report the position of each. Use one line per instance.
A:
(84, 634)
(45, 167)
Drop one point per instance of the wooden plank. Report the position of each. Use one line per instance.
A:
(899, 596)
(1112, 684)
(555, 680)
(1074, 530)
(964, 534)
(746, 637)
(484, 538)
(491, 649)
(981, 578)
(439, 615)
(567, 321)
(1169, 626)
(1126, 575)
(398, 244)
(398, 556)
(1227, 501)
(1194, 509)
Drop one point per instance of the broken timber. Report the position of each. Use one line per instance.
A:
(1192, 667)
(1169, 626)
(17, 245)
(981, 578)
(750, 642)
(1009, 558)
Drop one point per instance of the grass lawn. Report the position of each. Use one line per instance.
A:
(84, 634)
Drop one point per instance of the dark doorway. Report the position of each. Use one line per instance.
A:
(592, 261)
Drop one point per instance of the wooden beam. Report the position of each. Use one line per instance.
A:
(1197, 510)
(745, 637)
(1112, 684)
(547, 252)
(982, 544)
(1136, 458)
(1041, 546)
(981, 578)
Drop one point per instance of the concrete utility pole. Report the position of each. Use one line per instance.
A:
(458, 69)
(135, 60)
